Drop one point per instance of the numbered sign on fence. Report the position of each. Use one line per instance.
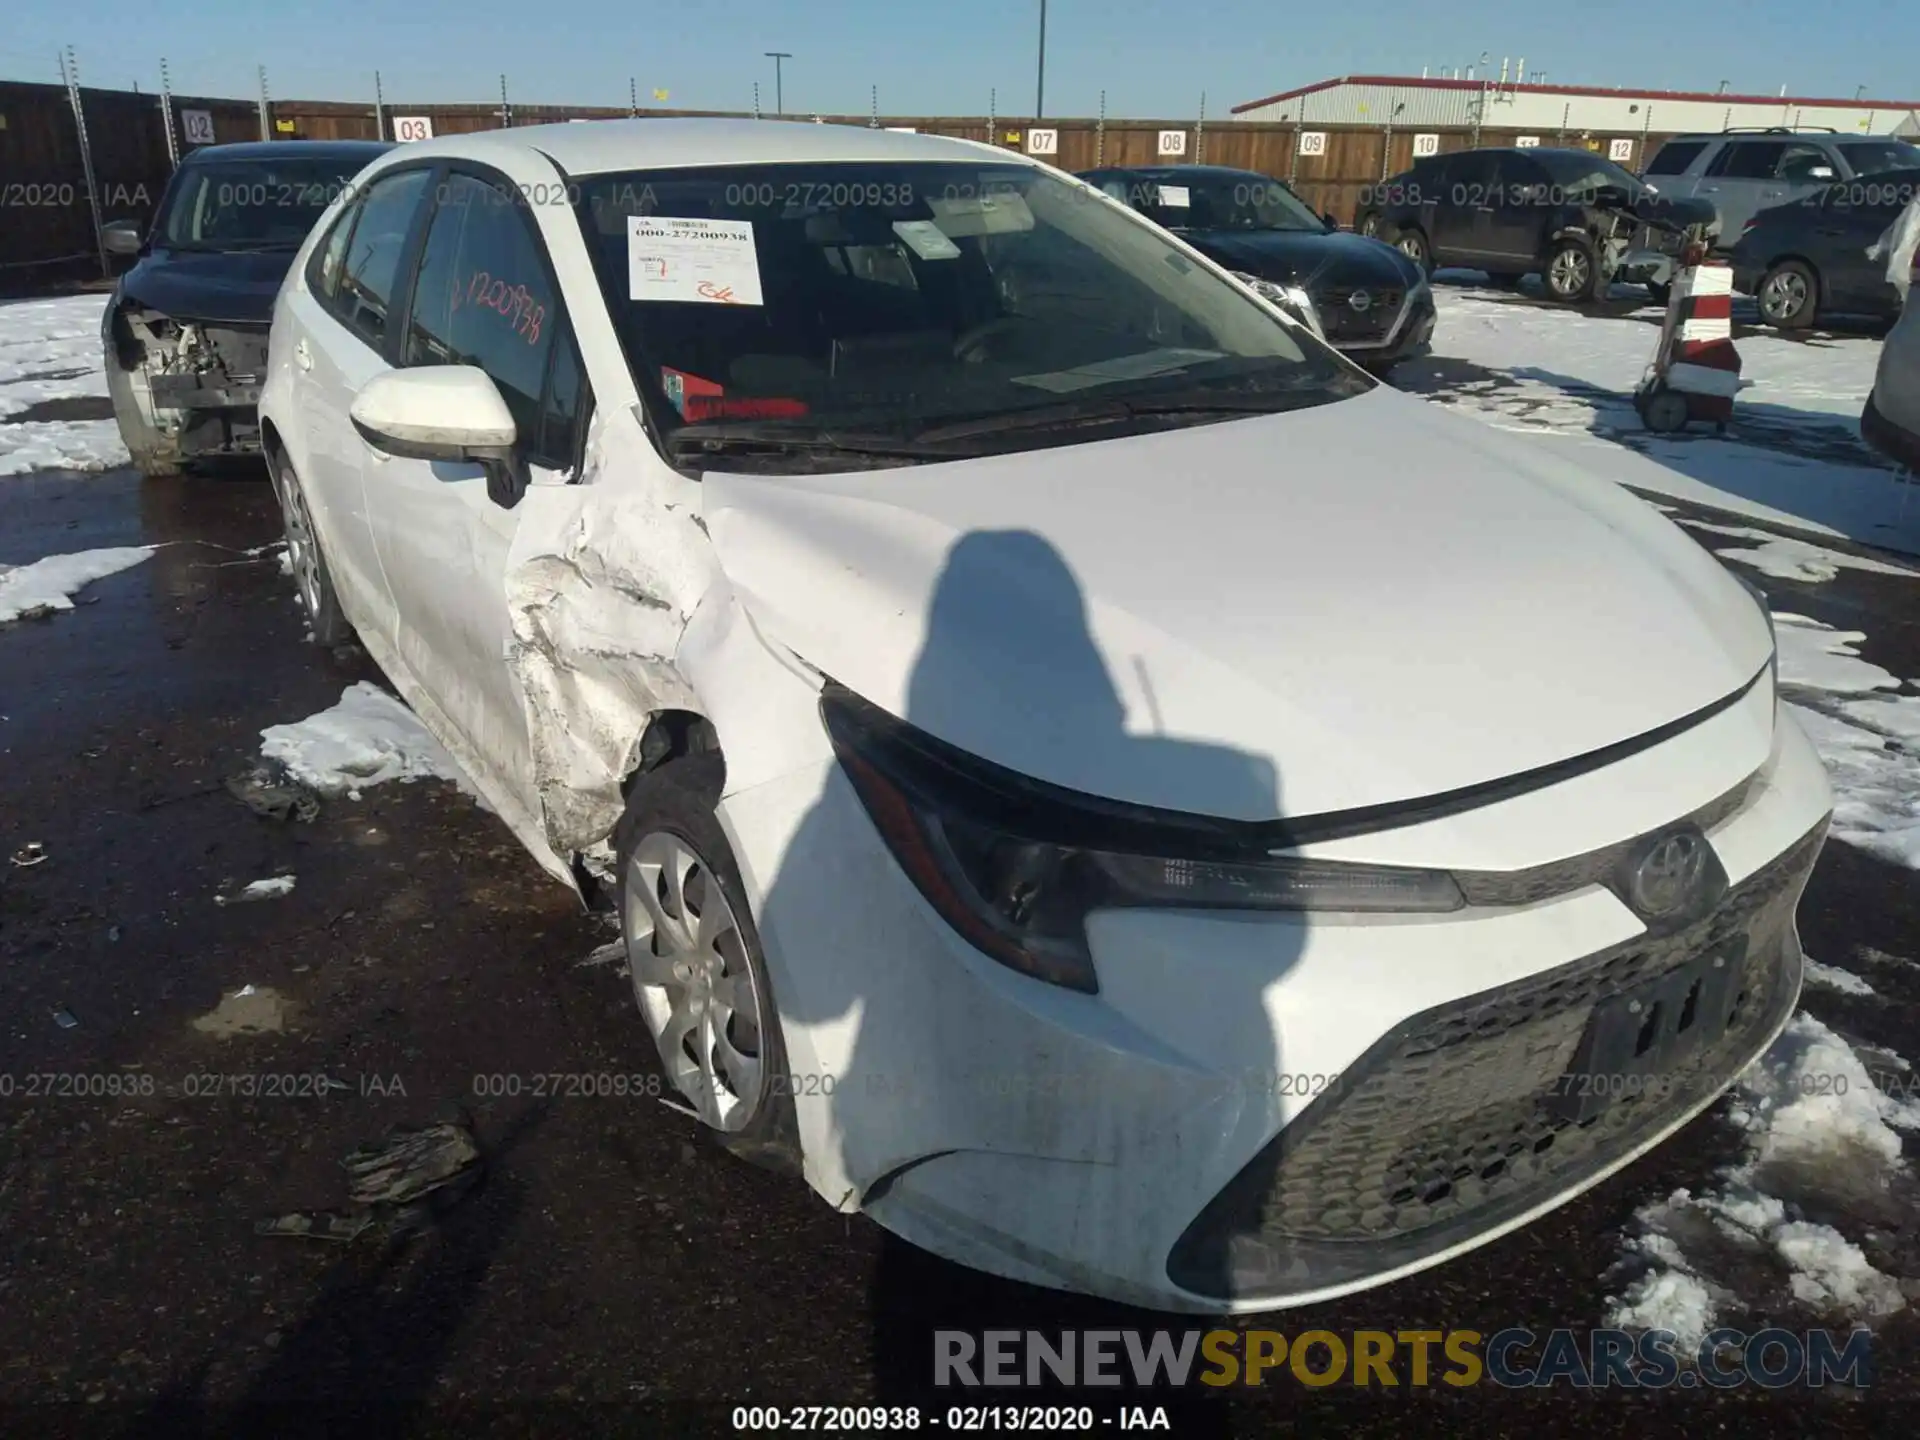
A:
(1043, 142)
(1173, 142)
(1313, 142)
(413, 127)
(1526, 142)
(197, 126)
(1620, 150)
(1426, 144)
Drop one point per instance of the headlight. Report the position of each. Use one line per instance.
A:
(1016, 865)
(1291, 298)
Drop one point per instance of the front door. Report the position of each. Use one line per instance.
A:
(484, 296)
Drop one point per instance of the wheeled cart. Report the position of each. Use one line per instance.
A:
(1696, 370)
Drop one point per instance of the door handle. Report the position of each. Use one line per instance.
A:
(302, 356)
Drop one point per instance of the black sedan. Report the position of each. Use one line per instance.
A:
(186, 330)
(1574, 217)
(1369, 301)
(1808, 258)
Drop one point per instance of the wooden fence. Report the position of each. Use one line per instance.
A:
(46, 220)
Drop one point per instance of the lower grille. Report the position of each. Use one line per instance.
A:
(1457, 1120)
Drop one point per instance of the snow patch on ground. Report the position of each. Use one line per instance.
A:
(1822, 1149)
(269, 889)
(50, 584)
(1783, 558)
(50, 350)
(1834, 978)
(1793, 453)
(367, 739)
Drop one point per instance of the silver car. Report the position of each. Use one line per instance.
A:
(1890, 423)
(1743, 172)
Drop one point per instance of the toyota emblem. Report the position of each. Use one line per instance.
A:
(1361, 301)
(1668, 875)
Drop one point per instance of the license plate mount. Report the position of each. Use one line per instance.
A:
(1637, 1039)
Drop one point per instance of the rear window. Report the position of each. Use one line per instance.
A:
(1675, 156)
(1748, 160)
(864, 297)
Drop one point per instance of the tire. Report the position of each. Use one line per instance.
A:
(155, 454)
(1788, 295)
(310, 574)
(1665, 412)
(669, 827)
(1412, 243)
(1570, 275)
(1368, 224)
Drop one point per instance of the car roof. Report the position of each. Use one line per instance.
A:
(361, 150)
(600, 147)
(1781, 133)
(1192, 172)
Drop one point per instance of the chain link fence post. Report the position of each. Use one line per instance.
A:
(266, 124)
(70, 76)
(166, 116)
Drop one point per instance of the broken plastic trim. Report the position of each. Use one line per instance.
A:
(1016, 865)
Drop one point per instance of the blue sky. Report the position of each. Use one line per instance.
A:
(1152, 57)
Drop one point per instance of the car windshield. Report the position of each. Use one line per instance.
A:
(1581, 173)
(260, 204)
(883, 305)
(1236, 202)
(1876, 157)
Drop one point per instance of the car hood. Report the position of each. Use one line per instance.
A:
(1380, 601)
(233, 288)
(1303, 257)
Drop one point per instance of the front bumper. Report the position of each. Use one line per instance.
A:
(1256, 1111)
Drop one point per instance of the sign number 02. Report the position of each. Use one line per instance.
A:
(197, 126)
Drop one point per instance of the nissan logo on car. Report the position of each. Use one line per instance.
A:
(1361, 301)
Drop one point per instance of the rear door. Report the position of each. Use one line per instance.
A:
(1738, 177)
(1804, 170)
(1463, 218)
(340, 313)
(1524, 199)
(483, 295)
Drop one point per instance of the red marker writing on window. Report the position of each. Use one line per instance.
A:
(723, 293)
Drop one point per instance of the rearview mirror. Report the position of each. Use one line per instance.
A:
(121, 237)
(445, 412)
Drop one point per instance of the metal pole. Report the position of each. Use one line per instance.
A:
(993, 116)
(633, 97)
(70, 73)
(1386, 138)
(1100, 134)
(1646, 127)
(1566, 111)
(506, 108)
(166, 115)
(1200, 133)
(1040, 84)
(379, 109)
(873, 123)
(266, 125)
(756, 99)
(779, 91)
(1299, 126)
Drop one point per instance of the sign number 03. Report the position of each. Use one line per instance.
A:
(412, 127)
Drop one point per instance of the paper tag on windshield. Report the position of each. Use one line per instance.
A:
(710, 262)
(926, 239)
(1174, 197)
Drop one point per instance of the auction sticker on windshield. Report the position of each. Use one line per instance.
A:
(710, 262)
(1175, 197)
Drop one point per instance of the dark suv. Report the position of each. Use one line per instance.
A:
(1573, 217)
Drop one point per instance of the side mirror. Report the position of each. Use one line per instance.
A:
(445, 412)
(121, 237)
(1820, 172)
(1328, 220)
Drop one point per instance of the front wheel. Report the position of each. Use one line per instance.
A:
(1368, 225)
(1570, 272)
(1788, 296)
(1412, 244)
(304, 558)
(693, 954)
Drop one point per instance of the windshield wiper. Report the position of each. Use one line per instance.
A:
(738, 438)
(1114, 409)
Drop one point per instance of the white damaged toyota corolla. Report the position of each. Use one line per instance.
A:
(1090, 779)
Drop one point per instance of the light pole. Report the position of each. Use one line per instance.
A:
(779, 100)
(1040, 84)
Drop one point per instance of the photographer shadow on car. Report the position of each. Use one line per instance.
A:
(989, 1111)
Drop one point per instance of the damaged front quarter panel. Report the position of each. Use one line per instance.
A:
(601, 580)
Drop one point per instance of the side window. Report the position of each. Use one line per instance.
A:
(1675, 156)
(1523, 183)
(483, 298)
(1748, 160)
(1800, 161)
(323, 269)
(374, 253)
(1469, 178)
